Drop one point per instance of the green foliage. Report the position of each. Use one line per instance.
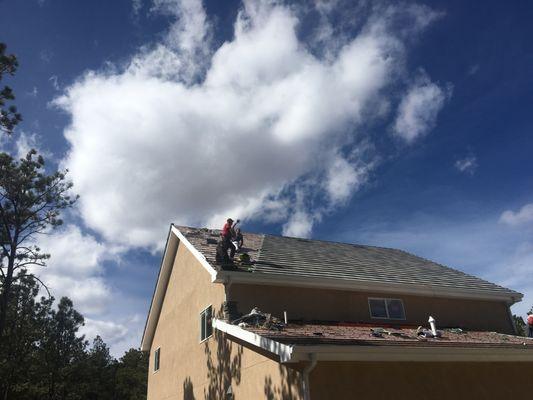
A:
(43, 355)
(131, 377)
(9, 117)
(31, 201)
(26, 320)
(520, 325)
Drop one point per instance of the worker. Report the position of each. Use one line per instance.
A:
(530, 324)
(226, 229)
(227, 235)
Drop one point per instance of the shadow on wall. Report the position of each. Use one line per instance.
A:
(289, 388)
(223, 368)
(188, 391)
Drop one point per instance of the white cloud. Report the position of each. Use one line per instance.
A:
(344, 176)
(479, 247)
(230, 131)
(467, 165)
(300, 224)
(26, 142)
(120, 334)
(75, 268)
(46, 56)
(34, 93)
(523, 216)
(188, 39)
(418, 110)
(55, 82)
(109, 331)
(136, 6)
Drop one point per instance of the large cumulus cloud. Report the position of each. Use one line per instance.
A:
(189, 133)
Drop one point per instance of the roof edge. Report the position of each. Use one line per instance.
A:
(163, 276)
(175, 237)
(199, 256)
(342, 284)
(282, 350)
(291, 353)
(411, 353)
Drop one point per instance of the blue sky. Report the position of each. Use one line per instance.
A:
(395, 124)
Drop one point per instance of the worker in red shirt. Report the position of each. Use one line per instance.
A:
(227, 234)
(530, 324)
(226, 230)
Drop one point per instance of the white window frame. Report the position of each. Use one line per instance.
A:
(385, 299)
(201, 323)
(157, 359)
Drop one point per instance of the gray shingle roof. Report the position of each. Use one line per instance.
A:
(296, 258)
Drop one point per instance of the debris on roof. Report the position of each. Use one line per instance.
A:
(258, 319)
(362, 334)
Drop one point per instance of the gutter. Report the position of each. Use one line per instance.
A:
(284, 351)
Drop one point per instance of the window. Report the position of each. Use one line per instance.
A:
(206, 327)
(386, 308)
(157, 357)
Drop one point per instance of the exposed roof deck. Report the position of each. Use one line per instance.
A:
(359, 334)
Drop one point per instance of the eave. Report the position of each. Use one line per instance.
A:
(288, 353)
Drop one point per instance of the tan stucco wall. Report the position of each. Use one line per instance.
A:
(339, 305)
(435, 381)
(192, 370)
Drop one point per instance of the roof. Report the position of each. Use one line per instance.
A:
(289, 259)
(353, 334)
(295, 342)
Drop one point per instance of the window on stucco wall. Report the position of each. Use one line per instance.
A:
(386, 308)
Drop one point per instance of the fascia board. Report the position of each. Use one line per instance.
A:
(282, 350)
(163, 277)
(411, 354)
(256, 278)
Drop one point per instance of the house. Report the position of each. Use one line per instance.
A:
(352, 315)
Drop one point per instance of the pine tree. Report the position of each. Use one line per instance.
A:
(9, 117)
(30, 204)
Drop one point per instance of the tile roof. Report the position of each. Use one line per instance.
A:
(296, 258)
(352, 334)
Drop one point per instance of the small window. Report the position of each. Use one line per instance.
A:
(386, 308)
(206, 327)
(157, 357)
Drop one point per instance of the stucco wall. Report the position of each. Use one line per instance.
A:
(435, 381)
(193, 370)
(339, 305)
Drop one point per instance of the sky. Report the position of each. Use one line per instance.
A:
(400, 124)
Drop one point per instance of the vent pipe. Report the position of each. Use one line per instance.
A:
(432, 321)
